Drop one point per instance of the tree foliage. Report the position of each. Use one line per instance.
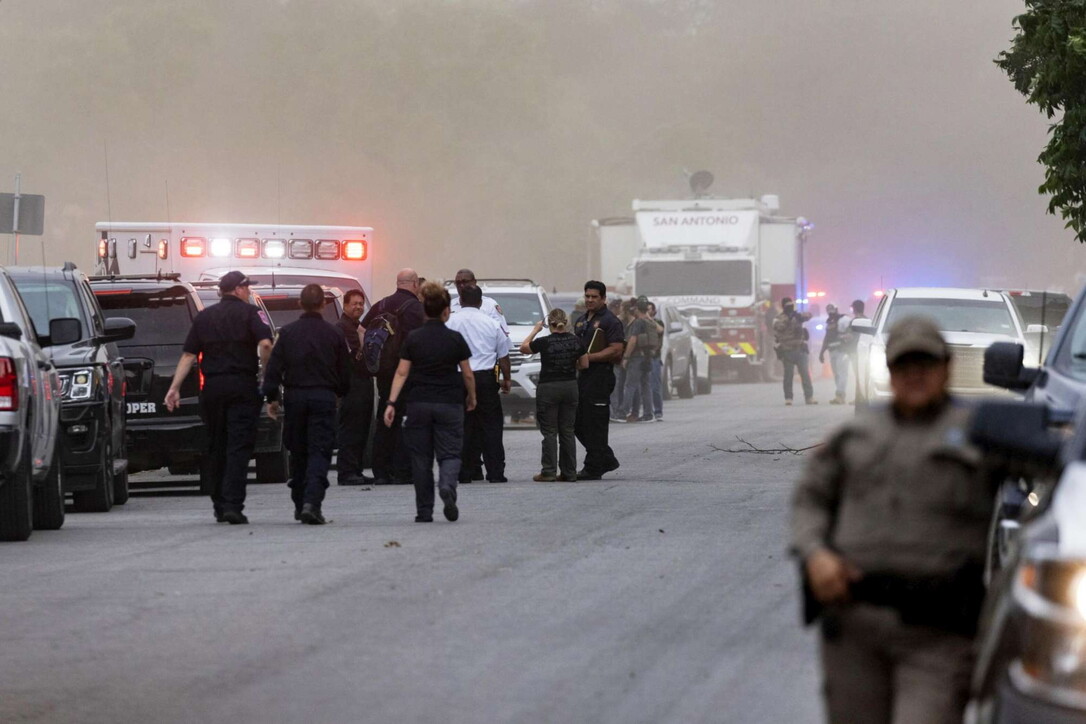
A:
(1047, 64)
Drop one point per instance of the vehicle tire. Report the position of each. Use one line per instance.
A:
(705, 386)
(49, 497)
(686, 386)
(100, 498)
(273, 467)
(666, 384)
(17, 500)
(120, 488)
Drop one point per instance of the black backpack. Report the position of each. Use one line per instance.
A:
(382, 340)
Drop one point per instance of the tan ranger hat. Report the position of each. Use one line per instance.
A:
(915, 335)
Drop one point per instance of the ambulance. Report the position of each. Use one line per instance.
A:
(269, 254)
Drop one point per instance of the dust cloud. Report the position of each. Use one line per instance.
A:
(489, 133)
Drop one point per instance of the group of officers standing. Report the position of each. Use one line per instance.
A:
(328, 390)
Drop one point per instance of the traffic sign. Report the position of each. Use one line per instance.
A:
(31, 214)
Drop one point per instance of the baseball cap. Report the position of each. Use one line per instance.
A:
(232, 280)
(643, 303)
(915, 335)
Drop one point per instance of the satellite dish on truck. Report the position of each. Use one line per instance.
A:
(700, 181)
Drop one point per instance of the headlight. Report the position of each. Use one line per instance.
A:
(78, 384)
(876, 364)
(1052, 595)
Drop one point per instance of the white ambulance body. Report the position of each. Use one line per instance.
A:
(334, 256)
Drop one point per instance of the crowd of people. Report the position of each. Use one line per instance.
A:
(428, 369)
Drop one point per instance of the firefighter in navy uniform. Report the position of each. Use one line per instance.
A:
(230, 339)
(890, 525)
(311, 361)
(595, 384)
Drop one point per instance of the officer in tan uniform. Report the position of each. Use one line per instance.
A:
(889, 523)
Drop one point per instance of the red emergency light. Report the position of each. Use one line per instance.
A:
(354, 250)
(193, 246)
(879, 294)
(247, 248)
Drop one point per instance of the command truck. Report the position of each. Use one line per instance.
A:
(725, 264)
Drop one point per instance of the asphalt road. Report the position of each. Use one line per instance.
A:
(659, 594)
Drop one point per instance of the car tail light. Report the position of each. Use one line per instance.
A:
(301, 249)
(275, 249)
(247, 248)
(327, 249)
(103, 248)
(9, 385)
(220, 247)
(163, 249)
(193, 246)
(354, 250)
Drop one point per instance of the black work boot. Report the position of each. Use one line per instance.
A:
(234, 517)
(311, 515)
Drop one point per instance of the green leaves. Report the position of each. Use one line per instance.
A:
(1047, 64)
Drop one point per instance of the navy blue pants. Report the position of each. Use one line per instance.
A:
(434, 430)
(230, 407)
(309, 432)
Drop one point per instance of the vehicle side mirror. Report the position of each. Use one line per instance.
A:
(11, 330)
(1003, 367)
(64, 330)
(1018, 431)
(119, 328)
(675, 327)
(862, 326)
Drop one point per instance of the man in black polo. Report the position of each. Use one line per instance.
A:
(310, 360)
(227, 338)
(596, 383)
(391, 463)
(356, 408)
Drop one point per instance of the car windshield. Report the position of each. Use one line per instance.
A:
(730, 278)
(284, 310)
(957, 315)
(162, 316)
(50, 299)
(520, 310)
(1042, 308)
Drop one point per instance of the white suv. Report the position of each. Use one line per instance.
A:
(970, 319)
(523, 302)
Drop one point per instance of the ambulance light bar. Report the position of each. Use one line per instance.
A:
(301, 249)
(247, 248)
(221, 247)
(275, 249)
(327, 249)
(193, 246)
(354, 250)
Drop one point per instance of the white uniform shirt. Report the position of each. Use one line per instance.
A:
(486, 339)
(490, 308)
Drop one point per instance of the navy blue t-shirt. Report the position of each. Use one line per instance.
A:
(435, 353)
(558, 356)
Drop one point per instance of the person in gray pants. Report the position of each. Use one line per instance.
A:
(434, 366)
(561, 355)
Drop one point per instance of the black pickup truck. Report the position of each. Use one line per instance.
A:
(92, 414)
(163, 307)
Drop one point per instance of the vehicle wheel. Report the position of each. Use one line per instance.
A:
(100, 499)
(120, 488)
(49, 497)
(273, 467)
(705, 386)
(687, 384)
(668, 387)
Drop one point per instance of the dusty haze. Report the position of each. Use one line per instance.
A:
(489, 133)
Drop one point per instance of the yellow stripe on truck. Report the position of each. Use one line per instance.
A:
(748, 348)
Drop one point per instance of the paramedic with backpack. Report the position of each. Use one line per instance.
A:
(643, 340)
(398, 315)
